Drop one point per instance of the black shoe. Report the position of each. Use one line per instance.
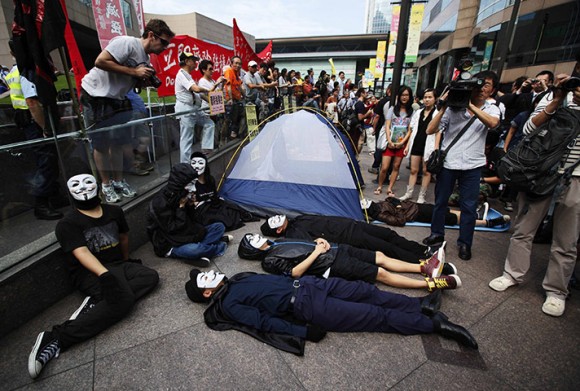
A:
(45, 349)
(430, 251)
(464, 252)
(434, 240)
(453, 331)
(431, 303)
(227, 238)
(448, 269)
(45, 212)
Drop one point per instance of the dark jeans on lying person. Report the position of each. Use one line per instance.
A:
(346, 306)
(387, 241)
(115, 301)
(469, 189)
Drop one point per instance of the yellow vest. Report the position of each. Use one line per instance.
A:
(16, 94)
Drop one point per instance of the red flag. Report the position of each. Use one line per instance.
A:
(243, 49)
(166, 64)
(73, 51)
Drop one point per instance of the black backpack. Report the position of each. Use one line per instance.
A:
(349, 119)
(533, 165)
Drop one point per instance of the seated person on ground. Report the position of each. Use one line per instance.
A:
(209, 208)
(283, 311)
(96, 245)
(297, 257)
(171, 224)
(348, 231)
(396, 213)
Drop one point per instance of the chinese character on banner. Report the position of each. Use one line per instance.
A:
(109, 20)
(137, 4)
(216, 102)
(252, 121)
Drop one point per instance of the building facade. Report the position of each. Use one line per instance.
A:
(378, 16)
(546, 36)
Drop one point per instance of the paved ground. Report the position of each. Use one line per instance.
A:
(164, 343)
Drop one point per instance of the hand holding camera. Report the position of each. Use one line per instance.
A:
(146, 75)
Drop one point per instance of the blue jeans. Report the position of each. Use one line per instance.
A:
(469, 193)
(209, 247)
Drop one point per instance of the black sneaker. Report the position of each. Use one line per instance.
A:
(227, 238)
(45, 349)
(502, 220)
(88, 303)
(482, 211)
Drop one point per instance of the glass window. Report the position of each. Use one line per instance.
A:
(127, 15)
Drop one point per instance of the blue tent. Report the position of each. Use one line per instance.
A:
(297, 164)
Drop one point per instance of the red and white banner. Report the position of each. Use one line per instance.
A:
(243, 49)
(138, 5)
(166, 64)
(108, 20)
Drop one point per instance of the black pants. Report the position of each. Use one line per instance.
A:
(133, 282)
(387, 241)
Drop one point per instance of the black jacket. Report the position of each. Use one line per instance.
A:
(216, 319)
(332, 228)
(285, 254)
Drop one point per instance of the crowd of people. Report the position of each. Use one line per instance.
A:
(325, 266)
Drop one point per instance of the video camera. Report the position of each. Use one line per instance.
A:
(461, 87)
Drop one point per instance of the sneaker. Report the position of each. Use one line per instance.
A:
(204, 261)
(433, 266)
(373, 170)
(449, 269)
(508, 206)
(88, 303)
(502, 220)
(444, 282)
(123, 188)
(482, 211)
(554, 306)
(227, 238)
(110, 195)
(45, 349)
(501, 283)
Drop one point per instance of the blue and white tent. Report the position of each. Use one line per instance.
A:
(297, 164)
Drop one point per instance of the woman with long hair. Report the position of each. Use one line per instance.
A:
(397, 128)
(421, 145)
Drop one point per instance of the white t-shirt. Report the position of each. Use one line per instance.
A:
(207, 84)
(127, 51)
(28, 88)
(183, 94)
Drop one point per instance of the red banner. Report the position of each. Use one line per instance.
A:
(166, 64)
(76, 60)
(108, 20)
(138, 4)
(243, 49)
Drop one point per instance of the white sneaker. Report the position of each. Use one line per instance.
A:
(482, 211)
(501, 283)
(110, 195)
(554, 306)
(123, 188)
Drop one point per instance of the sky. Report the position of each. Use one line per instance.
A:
(274, 18)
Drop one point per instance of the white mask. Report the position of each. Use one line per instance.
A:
(198, 164)
(256, 240)
(276, 221)
(208, 280)
(83, 187)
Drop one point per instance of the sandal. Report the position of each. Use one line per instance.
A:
(378, 191)
(390, 194)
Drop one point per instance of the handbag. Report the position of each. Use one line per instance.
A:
(382, 140)
(437, 157)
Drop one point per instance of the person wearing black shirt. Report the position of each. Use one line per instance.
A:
(96, 245)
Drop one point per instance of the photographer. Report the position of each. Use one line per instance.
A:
(121, 66)
(464, 161)
(565, 95)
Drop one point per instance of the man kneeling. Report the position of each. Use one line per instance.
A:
(298, 257)
(283, 311)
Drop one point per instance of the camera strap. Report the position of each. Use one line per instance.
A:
(467, 125)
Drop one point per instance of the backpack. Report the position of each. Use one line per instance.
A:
(349, 119)
(532, 166)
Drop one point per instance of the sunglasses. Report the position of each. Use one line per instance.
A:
(164, 42)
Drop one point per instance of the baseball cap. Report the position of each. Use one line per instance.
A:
(252, 64)
(188, 55)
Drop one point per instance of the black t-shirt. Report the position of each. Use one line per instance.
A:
(359, 107)
(205, 191)
(490, 168)
(100, 235)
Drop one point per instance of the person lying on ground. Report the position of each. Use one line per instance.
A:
(95, 241)
(296, 257)
(171, 223)
(283, 311)
(348, 231)
(397, 213)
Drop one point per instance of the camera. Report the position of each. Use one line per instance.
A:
(571, 84)
(460, 89)
(153, 80)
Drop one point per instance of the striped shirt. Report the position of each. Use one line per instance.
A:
(574, 155)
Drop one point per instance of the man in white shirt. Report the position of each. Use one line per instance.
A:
(121, 66)
(187, 99)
